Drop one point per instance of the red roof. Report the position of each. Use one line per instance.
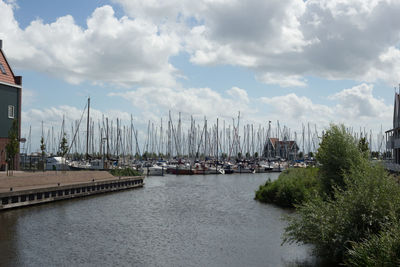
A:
(274, 141)
(8, 76)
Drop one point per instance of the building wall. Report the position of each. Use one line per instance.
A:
(3, 143)
(8, 96)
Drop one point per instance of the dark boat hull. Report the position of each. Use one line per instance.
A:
(178, 171)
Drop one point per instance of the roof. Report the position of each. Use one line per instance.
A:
(7, 77)
(274, 141)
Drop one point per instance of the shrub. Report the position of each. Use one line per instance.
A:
(292, 187)
(337, 154)
(125, 172)
(370, 203)
(379, 250)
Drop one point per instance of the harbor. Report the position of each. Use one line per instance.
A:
(183, 147)
(207, 133)
(174, 220)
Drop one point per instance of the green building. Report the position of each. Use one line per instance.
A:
(10, 104)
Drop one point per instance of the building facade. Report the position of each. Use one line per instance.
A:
(393, 135)
(10, 105)
(286, 149)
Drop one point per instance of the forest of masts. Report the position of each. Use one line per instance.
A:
(175, 139)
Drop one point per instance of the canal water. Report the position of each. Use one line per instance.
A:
(209, 220)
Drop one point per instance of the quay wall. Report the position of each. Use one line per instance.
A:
(20, 198)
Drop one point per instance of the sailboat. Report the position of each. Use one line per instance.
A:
(87, 164)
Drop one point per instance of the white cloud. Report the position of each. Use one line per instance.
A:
(282, 80)
(295, 109)
(28, 97)
(238, 94)
(193, 101)
(283, 41)
(355, 107)
(13, 3)
(243, 33)
(358, 101)
(110, 50)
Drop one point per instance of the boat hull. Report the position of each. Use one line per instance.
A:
(178, 171)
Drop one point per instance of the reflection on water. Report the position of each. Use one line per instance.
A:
(173, 221)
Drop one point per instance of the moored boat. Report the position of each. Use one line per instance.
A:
(180, 169)
(96, 164)
(154, 170)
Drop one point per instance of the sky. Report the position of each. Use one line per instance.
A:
(292, 61)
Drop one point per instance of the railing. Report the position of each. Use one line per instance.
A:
(393, 143)
(390, 166)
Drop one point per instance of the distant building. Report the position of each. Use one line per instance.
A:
(393, 135)
(274, 148)
(10, 104)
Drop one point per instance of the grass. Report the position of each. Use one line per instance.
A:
(125, 172)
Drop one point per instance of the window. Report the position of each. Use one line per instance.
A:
(11, 112)
(3, 70)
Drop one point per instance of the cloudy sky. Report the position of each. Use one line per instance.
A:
(317, 61)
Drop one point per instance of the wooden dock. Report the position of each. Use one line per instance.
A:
(26, 188)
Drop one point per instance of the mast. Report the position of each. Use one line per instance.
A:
(205, 137)
(107, 136)
(87, 129)
(217, 141)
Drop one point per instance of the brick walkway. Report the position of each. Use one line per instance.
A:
(32, 180)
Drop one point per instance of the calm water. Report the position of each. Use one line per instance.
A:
(173, 221)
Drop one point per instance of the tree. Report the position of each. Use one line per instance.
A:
(301, 155)
(43, 149)
(63, 146)
(337, 153)
(381, 249)
(363, 146)
(349, 224)
(369, 205)
(256, 155)
(42, 146)
(12, 147)
(375, 154)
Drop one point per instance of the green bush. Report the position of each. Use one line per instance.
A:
(380, 250)
(349, 210)
(292, 187)
(125, 172)
(370, 203)
(337, 154)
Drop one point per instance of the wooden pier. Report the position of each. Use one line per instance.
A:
(26, 189)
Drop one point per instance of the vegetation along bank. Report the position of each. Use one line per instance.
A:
(347, 208)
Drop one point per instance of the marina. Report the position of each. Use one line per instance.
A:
(194, 220)
(215, 133)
